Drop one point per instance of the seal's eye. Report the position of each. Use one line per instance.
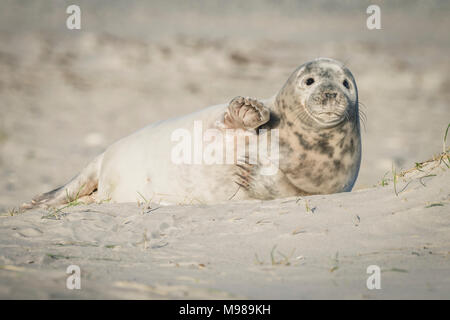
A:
(346, 84)
(309, 81)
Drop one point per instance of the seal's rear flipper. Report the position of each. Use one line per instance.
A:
(82, 185)
(42, 198)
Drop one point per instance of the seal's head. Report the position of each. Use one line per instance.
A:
(321, 94)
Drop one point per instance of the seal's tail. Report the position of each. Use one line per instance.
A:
(84, 184)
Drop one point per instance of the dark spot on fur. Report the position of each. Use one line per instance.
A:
(326, 135)
(350, 148)
(303, 168)
(285, 147)
(337, 165)
(305, 144)
(325, 73)
(323, 146)
(318, 180)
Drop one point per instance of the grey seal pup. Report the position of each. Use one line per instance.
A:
(316, 119)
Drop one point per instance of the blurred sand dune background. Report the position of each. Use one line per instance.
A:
(65, 95)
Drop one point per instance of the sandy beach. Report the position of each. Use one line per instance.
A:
(66, 95)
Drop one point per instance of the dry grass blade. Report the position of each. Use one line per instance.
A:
(394, 177)
(444, 148)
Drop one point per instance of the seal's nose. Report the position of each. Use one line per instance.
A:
(330, 95)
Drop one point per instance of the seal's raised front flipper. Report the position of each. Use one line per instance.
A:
(244, 113)
(80, 186)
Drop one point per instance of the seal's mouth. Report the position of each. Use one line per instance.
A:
(327, 107)
(329, 117)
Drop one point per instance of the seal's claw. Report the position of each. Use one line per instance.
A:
(246, 113)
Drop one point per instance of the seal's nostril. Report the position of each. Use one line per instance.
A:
(330, 95)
